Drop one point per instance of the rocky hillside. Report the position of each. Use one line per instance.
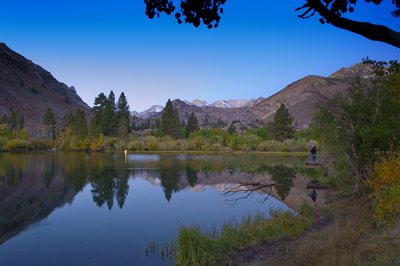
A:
(302, 96)
(29, 88)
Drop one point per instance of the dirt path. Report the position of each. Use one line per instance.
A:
(269, 251)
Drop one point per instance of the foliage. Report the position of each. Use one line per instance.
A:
(364, 122)
(79, 125)
(170, 124)
(25, 144)
(195, 247)
(385, 186)
(49, 119)
(281, 127)
(16, 121)
(331, 11)
(123, 115)
(192, 124)
(5, 131)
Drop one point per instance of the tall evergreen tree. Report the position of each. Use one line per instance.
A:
(281, 128)
(192, 124)
(110, 116)
(122, 106)
(16, 121)
(49, 119)
(170, 122)
(123, 114)
(97, 122)
(79, 124)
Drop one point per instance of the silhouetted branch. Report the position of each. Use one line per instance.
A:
(371, 31)
(248, 189)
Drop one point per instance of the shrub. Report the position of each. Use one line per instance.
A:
(271, 146)
(151, 143)
(17, 144)
(385, 185)
(40, 144)
(135, 145)
(3, 141)
(109, 143)
(198, 142)
(5, 131)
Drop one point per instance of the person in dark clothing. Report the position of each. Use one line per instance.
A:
(313, 152)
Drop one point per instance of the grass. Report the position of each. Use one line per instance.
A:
(196, 247)
(352, 240)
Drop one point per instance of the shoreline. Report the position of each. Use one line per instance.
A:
(271, 153)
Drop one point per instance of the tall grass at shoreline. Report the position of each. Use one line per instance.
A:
(194, 246)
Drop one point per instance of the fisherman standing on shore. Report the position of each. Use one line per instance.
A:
(313, 152)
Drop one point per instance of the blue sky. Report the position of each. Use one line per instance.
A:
(98, 45)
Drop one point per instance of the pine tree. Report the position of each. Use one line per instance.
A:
(68, 119)
(110, 116)
(281, 128)
(192, 124)
(16, 121)
(97, 122)
(170, 122)
(123, 114)
(49, 119)
(122, 106)
(232, 128)
(79, 124)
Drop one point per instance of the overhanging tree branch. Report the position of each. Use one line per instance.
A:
(371, 31)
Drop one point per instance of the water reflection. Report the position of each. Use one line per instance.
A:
(33, 185)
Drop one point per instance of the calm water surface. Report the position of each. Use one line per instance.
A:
(99, 209)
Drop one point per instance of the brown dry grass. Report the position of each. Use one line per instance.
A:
(351, 240)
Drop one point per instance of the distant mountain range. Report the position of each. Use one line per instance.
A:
(154, 109)
(27, 87)
(300, 97)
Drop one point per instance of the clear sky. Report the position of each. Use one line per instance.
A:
(99, 45)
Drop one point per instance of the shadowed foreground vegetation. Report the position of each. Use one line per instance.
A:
(197, 247)
(353, 239)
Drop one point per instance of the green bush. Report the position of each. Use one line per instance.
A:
(17, 144)
(5, 131)
(3, 141)
(271, 146)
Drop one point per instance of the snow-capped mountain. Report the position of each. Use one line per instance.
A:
(200, 103)
(229, 103)
(149, 112)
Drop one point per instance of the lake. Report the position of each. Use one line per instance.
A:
(69, 208)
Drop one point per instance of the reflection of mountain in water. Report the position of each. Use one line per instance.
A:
(33, 185)
(30, 189)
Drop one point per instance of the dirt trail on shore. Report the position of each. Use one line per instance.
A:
(265, 253)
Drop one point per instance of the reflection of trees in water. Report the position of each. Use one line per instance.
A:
(13, 167)
(49, 171)
(107, 185)
(283, 176)
(109, 178)
(191, 175)
(76, 169)
(169, 181)
(170, 177)
(122, 188)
